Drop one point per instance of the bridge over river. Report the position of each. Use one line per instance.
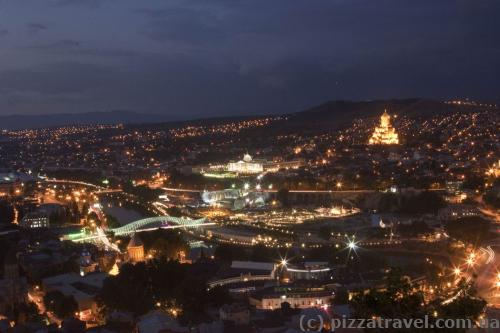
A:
(147, 224)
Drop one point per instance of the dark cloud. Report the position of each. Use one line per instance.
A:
(35, 28)
(183, 25)
(221, 57)
(60, 44)
(92, 4)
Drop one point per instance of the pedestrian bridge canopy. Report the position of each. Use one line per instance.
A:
(157, 222)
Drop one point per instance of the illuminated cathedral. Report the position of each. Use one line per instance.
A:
(384, 134)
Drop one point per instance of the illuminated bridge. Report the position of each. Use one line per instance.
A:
(164, 222)
(147, 224)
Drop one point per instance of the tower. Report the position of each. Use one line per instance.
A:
(384, 134)
(135, 249)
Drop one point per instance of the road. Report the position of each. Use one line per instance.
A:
(487, 275)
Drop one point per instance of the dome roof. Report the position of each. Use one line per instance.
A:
(247, 158)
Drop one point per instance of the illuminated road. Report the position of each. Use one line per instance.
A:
(487, 275)
(100, 189)
(172, 189)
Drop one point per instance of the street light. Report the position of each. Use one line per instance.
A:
(284, 262)
(470, 261)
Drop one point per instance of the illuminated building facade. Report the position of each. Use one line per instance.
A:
(246, 166)
(135, 249)
(35, 220)
(384, 134)
(299, 298)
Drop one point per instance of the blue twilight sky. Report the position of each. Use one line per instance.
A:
(192, 58)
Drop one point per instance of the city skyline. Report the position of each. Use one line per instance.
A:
(249, 166)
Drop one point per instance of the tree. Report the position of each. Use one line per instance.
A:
(229, 252)
(129, 291)
(472, 229)
(423, 203)
(401, 299)
(112, 222)
(6, 212)
(389, 202)
(492, 197)
(341, 297)
(416, 228)
(219, 296)
(283, 197)
(165, 243)
(29, 312)
(174, 211)
(157, 283)
(263, 253)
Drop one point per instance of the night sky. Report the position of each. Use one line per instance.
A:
(189, 58)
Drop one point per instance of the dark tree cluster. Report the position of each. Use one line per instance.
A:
(163, 283)
(473, 229)
(492, 196)
(425, 202)
(164, 243)
(143, 192)
(401, 299)
(6, 212)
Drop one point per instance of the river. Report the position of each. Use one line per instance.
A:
(122, 214)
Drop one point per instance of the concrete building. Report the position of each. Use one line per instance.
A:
(82, 288)
(298, 297)
(35, 220)
(246, 166)
(135, 249)
(309, 270)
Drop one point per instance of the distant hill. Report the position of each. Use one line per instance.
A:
(327, 115)
(343, 111)
(13, 122)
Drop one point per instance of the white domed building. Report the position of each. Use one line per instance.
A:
(246, 166)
